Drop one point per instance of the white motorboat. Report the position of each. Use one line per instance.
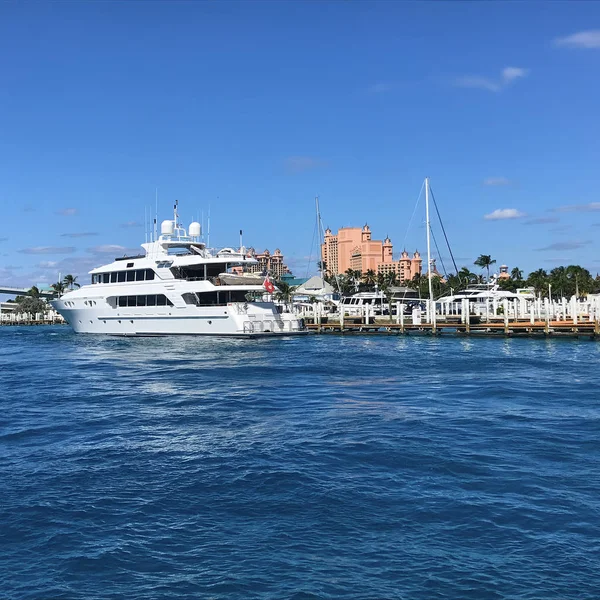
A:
(177, 287)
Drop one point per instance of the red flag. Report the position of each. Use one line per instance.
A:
(268, 284)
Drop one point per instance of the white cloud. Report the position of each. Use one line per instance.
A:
(107, 249)
(47, 264)
(49, 250)
(504, 213)
(591, 207)
(67, 212)
(574, 245)
(507, 76)
(78, 235)
(511, 73)
(581, 39)
(496, 181)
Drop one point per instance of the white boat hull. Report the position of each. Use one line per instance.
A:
(257, 319)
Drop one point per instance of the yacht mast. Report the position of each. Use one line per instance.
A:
(431, 303)
(320, 262)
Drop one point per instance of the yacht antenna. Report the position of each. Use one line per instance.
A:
(241, 245)
(208, 229)
(431, 304)
(145, 224)
(156, 218)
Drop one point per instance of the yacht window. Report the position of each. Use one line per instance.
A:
(139, 275)
(113, 277)
(105, 277)
(161, 300)
(131, 301)
(129, 265)
(150, 300)
(122, 300)
(207, 298)
(130, 275)
(141, 300)
(215, 270)
(190, 298)
(121, 276)
(149, 274)
(237, 296)
(93, 279)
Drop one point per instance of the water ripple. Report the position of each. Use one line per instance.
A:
(314, 468)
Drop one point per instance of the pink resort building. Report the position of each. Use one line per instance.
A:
(269, 263)
(353, 248)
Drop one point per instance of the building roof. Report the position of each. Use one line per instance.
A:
(314, 286)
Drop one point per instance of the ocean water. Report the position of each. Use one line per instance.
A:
(318, 467)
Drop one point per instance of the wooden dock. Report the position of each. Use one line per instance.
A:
(497, 328)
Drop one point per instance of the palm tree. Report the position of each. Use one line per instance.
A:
(71, 281)
(467, 276)
(517, 274)
(369, 277)
(285, 292)
(391, 278)
(485, 261)
(58, 287)
(34, 292)
(538, 280)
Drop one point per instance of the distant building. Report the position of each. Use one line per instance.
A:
(269, 263)
(504, 274)
(353, 248)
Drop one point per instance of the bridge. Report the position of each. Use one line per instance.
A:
(14, 291)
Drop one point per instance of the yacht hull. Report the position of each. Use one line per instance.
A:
(215, 321)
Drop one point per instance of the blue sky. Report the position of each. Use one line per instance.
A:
(253, 108)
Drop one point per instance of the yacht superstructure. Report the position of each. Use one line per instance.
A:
(177, 287)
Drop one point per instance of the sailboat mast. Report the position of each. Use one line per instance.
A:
(319, 235)
(429, 274)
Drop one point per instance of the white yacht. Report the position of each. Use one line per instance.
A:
(177, 287)
(482, 297)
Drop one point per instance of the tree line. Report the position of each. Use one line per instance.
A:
(558, 283)
(33, 303)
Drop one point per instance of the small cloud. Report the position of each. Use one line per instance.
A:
(563, 246)
(507, 76)
(496, 181)
(541, 221)
(78, 235)
(131, 224)
(48, 250)
(504, 213)
(47, 264)
(299, 164)
(107, 249)
(379, 88)
(67, 212)
(581, 39)
(591, 207)
(512, 73)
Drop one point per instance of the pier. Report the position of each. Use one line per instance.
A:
(519, 318)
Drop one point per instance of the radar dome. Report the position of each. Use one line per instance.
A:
(194, 229)
(166, 228)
